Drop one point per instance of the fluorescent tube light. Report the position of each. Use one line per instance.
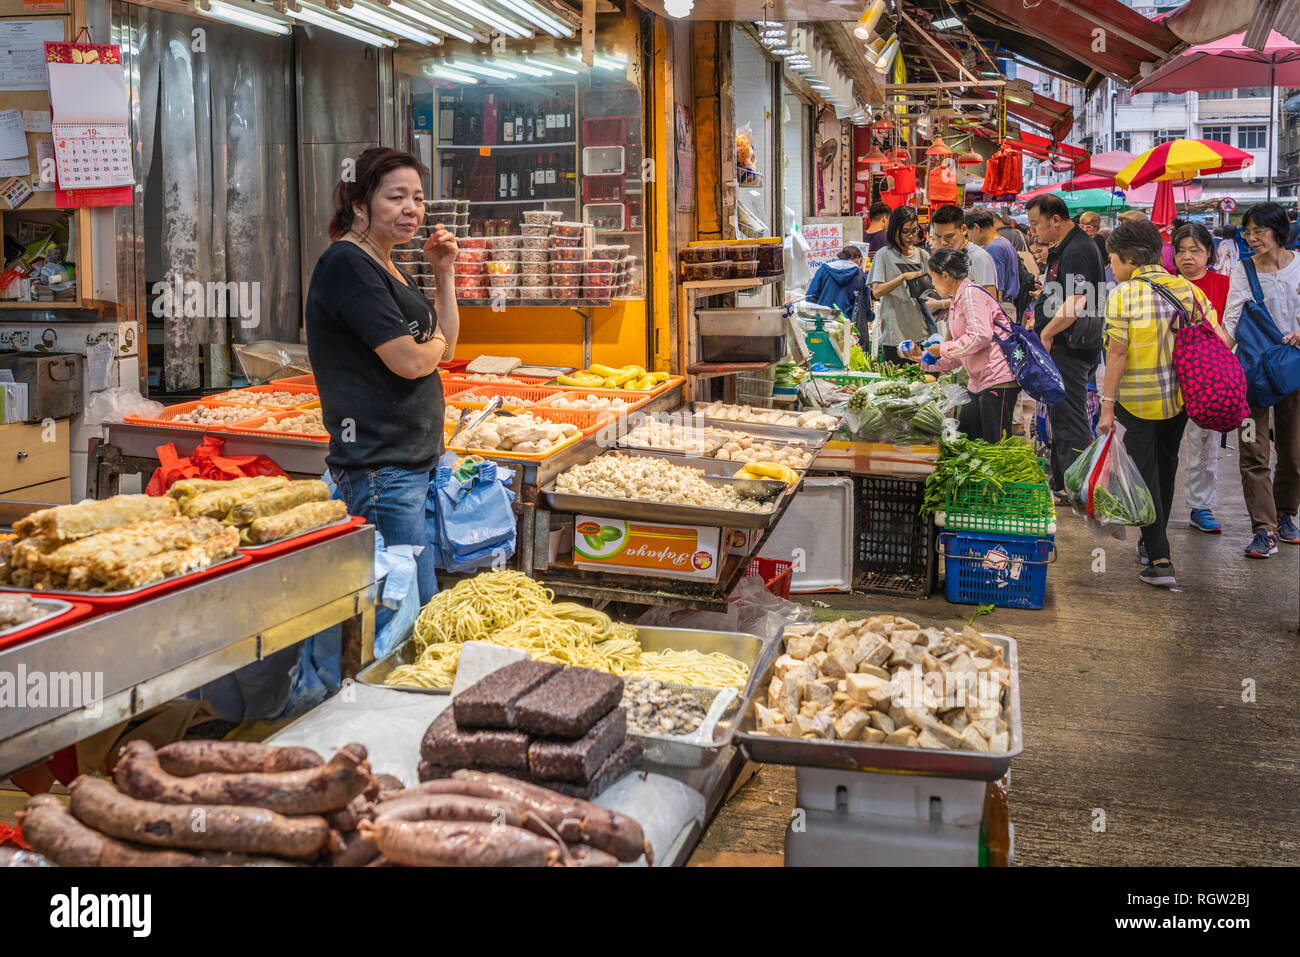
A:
(243, 16)
(326, 21)
(442, 26)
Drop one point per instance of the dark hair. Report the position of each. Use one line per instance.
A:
(1269, 216)
(877, 210)
(1137, 242)
(954, 262)
(979, 218)
(1100, 240)
(1291, 214)
(1227, 231)
(1195, 232)
(903, 216)
(372, 166)
(1177, 224)
(947, 215)
(852, 253)
(1049, 205)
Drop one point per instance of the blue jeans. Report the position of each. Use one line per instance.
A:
(394, 500)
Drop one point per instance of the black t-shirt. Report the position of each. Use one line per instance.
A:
(375, 417)
(1074, 268)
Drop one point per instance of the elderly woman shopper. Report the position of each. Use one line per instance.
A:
(1272, 495)
(971, 320)
(1140, 388)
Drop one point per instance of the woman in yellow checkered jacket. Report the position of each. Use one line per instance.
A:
(1140, 388)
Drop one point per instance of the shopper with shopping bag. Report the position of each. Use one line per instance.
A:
(1141, 386)
(1263, 317)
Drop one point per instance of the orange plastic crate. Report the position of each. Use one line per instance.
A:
(508, 380)
(167, 416)
(588, 422)
(255, 427)
(530, 394)
(308, 393)
(307, 380)
(634, 399)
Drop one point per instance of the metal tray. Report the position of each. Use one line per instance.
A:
(685, 514)
(683, 416)
(91, 595)
(51, 607)
(859, 756)
(665, 750)
(710, 467)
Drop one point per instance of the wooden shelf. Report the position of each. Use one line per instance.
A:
(100, 307)
(730, 285)
(540, 147)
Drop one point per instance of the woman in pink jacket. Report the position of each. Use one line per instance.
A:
(992, 387)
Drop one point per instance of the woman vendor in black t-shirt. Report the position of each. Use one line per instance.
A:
(375, 344)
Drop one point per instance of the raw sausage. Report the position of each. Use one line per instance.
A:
(584, 855)
(310, 791)
(188, 758)
(346, 819)
(459, 844)
(253, 830)
(384, 784)
(466, 807)
(576, 820)
(355, 852)
(51, 829)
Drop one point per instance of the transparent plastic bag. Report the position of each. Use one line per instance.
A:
(1105, 486)
(111, 405)
(901, 412)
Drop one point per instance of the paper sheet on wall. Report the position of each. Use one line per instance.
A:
(98, 359)
(89, 101)
(13, 141)
(22, 52)
(36, 121)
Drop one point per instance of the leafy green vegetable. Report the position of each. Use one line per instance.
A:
(983, 608)
(963, 460)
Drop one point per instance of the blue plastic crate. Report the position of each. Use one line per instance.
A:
(1009, 571)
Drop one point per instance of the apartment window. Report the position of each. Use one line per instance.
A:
(1166, 136)
(1124, 98)
(1247, 93)
(1221, 133)
(1171, 98)
(1124, 141)
(1250, 137)
(1217, 95)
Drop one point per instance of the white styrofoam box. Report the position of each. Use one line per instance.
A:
(920, 797)
(816, 533)
(128, 372)
(821, 839)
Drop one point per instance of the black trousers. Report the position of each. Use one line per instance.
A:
(890, 354)
(1071, 431)
(1153, 445)
(988, 414)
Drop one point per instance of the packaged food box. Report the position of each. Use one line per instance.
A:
(604, 252)
(598, 266)
(475, 254)
(744, 270)
(474, 242)
(742, 252)
(502, 267)
(443, 207)
(574, 254)
(537, 242)
(506, 242)
(505, 255)
(566, 292)
(566, 242)
(534, 292)
(706, 271)
(703, 254)
(534, 255)
(535, 229)
(648, 548)
(503, 282)
(566, 268)
(569, 230)
(542, 217)
(471, 269)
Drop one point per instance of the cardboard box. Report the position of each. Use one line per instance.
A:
(648, 548)
(877, 458)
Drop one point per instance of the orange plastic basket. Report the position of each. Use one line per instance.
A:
(508, 380)
(257, 427)
(307, 380)
(588, 422)
(168, 415)
(633, 399)
(518, 396)
(229, 397)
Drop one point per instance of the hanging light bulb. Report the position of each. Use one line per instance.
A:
(678, 8)
(870, 17)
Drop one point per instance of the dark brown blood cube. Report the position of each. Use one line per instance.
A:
(490, 702)
(567, 705)
(578, 760)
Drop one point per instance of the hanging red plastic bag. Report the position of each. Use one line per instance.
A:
(207, 462)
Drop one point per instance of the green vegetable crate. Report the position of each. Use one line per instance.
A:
(1021, 508)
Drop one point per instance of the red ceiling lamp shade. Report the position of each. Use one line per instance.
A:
(940, 148)
(901, 155)
(970, 159)
(882, 125)
(875, 158)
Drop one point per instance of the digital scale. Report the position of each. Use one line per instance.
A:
(816, 328)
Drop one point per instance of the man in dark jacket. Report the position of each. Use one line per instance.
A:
(841, 282)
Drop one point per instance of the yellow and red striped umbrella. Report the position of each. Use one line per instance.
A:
(1182, 159)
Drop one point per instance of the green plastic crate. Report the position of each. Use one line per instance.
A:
(1021, 508)
(847, 378)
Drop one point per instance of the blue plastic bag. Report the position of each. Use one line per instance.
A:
(1272, 367)
(472, 521)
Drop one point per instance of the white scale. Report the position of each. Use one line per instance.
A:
(879, 819)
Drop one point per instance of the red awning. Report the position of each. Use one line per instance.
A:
(1040, 146)
(1104, 34)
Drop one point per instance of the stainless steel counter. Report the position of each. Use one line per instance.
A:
(148, 653)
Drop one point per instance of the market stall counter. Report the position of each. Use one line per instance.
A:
(141, 654)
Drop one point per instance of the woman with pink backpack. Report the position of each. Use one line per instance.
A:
(1146, 315)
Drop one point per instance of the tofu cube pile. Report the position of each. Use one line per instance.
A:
(886, 680)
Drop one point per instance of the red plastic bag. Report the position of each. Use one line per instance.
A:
(207, 462)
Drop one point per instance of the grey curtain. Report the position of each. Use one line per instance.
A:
(222, 119)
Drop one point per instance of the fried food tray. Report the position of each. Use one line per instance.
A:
(860, 756)
(143, 591)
